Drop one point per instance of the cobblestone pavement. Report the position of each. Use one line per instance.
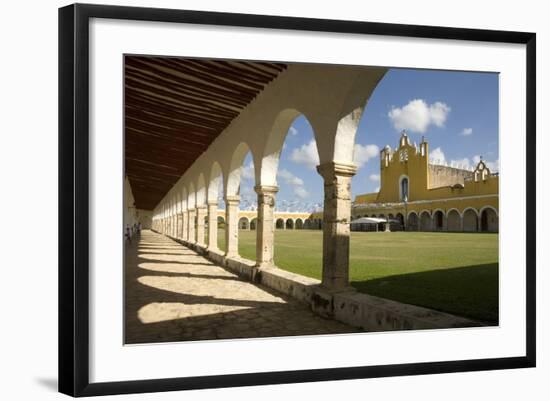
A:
(174, 294)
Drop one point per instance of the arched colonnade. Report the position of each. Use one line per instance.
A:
(332, 99)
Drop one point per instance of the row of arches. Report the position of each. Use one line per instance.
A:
(452, 220)
(280, 223)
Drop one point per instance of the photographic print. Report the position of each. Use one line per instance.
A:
(254, 199)
(275, 199)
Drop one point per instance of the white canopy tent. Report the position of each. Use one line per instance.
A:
(357, 224)
(369, 220)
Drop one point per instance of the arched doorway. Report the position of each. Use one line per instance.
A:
(453, 220)
(425, 221)
(489, 220)
(400, 225)
(244, 223)
(289, 224)
(438, 220)
(299, 224)
(253, 223)
(280, 224)
(469, 221)
(412, 222)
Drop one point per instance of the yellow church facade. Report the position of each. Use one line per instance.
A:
(418, 195)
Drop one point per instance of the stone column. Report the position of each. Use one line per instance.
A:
(232, 225)
(191, 225)
(213, 225)
(336, 224)
(201, 214)
(179, 230)
(265, 225)
(185, 226)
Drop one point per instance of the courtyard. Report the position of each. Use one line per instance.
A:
(174, 294)
(455, 273)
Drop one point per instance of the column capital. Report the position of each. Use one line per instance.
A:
(266, 189)
(330, 169)
(232, 199)
(201, 207)
(212, 202)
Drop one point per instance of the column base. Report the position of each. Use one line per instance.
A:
(322, 301)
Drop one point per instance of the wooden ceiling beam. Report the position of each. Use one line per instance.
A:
(175, 108)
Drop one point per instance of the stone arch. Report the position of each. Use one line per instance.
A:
(253, 223)
(233, 180)
(453, 220)
(401, 221)
(201, 190)
(470, 219)
(215, 182)
(244, 223)
(274, 145)
(191, 196)
(280, 223)
(289, 223)
(221, 222)
(183, 193)
(299, 223)
(438, 220)
(488, 219)
(177, 199)
(425, 221)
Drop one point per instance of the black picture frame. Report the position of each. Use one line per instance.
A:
(74, 198)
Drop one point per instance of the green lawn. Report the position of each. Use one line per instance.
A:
(451, 272)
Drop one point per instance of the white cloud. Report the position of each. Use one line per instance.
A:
(301, 192)
(293, 131)
(290, 178)
(374, 177)
(461, 163)
(493, 166)
(438, 113)
(467, 132)
(417, 115)
(295, 182)
(437, 155)
(377, 189)
(247, 172)
(306, 154)
(362, 153)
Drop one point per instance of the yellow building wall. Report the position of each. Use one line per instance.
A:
(413, 162)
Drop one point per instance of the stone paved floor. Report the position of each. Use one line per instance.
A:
(174, 294)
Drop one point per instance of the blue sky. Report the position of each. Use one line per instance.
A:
(457, 112)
